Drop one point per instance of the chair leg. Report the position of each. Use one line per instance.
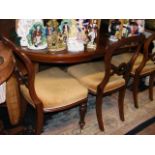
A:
(151, 82)
(121, 103)
(99, 112)
(135, 91)
(83, 110)
(39, 121)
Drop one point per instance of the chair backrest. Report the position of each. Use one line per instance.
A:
(148, 47)
(130, 44)
(26, 73)
(148, 53)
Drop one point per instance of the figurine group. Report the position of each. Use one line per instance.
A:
(58, 35)
(71, 34)
(119, 28)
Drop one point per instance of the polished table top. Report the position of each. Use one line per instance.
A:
(67, 57)
(61, 57)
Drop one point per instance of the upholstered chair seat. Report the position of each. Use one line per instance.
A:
(56, 89)
(149, 66)
(91, 74)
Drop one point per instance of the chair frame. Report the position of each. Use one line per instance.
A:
(123, 69)
(29, 82)
(147, 56)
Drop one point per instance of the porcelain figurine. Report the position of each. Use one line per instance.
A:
(141, 25)
(36, 37)
(64, 29)
(73, 44)
(125, 30)
(92, 34)
(133, 27)
(82, 31)
(55, 38)
(22, 29)
(115, 30)
(73, 29)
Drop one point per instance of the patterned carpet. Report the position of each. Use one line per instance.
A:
(66, 123)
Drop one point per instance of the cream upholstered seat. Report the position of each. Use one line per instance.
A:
(149, 66)
(55, 89)
(91, 74)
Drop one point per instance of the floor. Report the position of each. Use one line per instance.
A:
(150, 130)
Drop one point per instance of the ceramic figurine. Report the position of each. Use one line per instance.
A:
(125, 30)
(64, 29)
(73, 29)
(22, 29)
(82, 31)
(135, 27)
(141, 25)
(52, 41)
(49, 30)
(73, 44)
(115, 30)
(36, 37)
(92, 34)
(55, 38)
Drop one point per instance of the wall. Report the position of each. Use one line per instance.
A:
(7, 26)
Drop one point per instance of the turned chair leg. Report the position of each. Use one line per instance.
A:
(83, 110)
(99, 112)
(151, 82)
(39, 121)
(121, 103)
(135, 91)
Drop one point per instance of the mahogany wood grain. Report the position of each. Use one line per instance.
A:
(7, 66)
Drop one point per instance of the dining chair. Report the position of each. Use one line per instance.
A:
(51, 90)
(103, 78)
(144, 66)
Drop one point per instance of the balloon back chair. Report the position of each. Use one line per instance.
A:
(50, 90)
(146, 68)
(143, 66)
(103, 77)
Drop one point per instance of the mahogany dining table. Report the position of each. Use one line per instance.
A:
(66, 57)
